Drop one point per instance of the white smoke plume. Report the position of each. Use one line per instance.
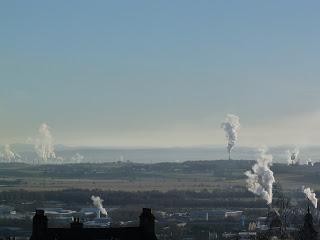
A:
(44, 143)
(293, 156)
(59, 160)
(309, 162)
(310, 194)
(97, 202)
(77, 158)
(8, 154)
(260, 178)
(231, 126)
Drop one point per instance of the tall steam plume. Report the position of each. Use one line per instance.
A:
(260, 178)
(231, 127)
(44, 144)
(77, 158)
(310, 194)
(97, 202)
(293, 156)
(8, 154)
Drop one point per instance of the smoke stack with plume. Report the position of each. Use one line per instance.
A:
(44, 144)
(231, 127)
(8, 154)
(309, 162)
(97, 202)
(77, 158)
(260, 178)
(310, 194)
(293, 157)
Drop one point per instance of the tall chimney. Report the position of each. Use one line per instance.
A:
(39, 225)
(147, 224)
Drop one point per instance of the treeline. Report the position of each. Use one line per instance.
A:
(128, 170)
(230, 199)
(225, 170)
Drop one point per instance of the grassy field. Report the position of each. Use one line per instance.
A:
(194, 176)
(34, 184)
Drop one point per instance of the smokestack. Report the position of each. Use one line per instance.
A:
(309, 162)
(231, 126)
(310, 194)
(260, 177)
(77, 158)
(44, 143)
(9, 155)
(97, 202)
(293, 156)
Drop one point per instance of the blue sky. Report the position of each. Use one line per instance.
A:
(160, 73)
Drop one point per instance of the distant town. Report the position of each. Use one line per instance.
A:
(190, 200)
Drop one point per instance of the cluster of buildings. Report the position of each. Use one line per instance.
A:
(289, 224)
(276, 226)
(89, 223)
(194, 224)
(59, 217)
(90, 217)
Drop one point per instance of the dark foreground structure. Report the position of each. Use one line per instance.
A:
(145, 231)
(308, 231)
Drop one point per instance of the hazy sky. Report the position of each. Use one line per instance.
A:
(160, 73)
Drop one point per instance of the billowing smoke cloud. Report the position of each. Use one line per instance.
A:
(44, 144)
(231, 127)
(97, 202)
(8, 154)
(310, 195)
(293, 156)
(77, 158)
(260, 178)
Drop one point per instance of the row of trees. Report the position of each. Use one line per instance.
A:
(173, 198)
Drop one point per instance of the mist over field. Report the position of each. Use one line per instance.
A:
(155, 155)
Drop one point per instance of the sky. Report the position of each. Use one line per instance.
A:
(160, 73)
